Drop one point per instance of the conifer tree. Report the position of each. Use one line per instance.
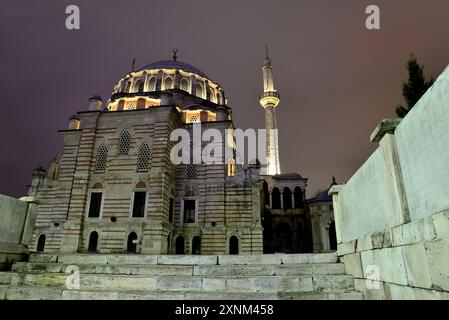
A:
(414, 88)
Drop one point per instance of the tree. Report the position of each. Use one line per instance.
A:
(414, 88)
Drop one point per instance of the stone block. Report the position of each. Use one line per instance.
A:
(118, 282)
(308, 269)
(364, 243)
(5, 277)
(33, 293)
(90, 295)
(333, 283)
(391, 265)
(345, 296)
(42, 257)
(187, 260)
(132, 259)
(179, 283)
(397, 236)
(256, 284)
(346, 248)
(398, 292)
(438, 255)
(159, 270)
(37, 267)
(76, 259)
(230, 270)
(309, 258)
(441, 224)
(214, 284)
(249, 259)
(353, 265)
(424, 294)
(3, 288)
(417, 266)
(373, 291)
(155, 295)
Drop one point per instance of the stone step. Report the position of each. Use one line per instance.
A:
(201, 283)
(200, 270)
(48, 293)
(266, 259)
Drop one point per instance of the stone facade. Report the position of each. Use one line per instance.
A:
(116, 163)
(391, 217)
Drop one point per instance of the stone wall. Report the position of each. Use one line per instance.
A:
(17, 219)
(392, 216)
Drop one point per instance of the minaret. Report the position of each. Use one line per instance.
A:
(269, 99)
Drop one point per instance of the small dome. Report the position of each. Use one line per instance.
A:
(74, 117)
(95, 97)
(171, 64)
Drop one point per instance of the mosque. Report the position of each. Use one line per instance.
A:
(114, 189)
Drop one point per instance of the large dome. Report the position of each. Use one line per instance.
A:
(171, 64)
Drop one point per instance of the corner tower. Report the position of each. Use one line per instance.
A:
(269, 99)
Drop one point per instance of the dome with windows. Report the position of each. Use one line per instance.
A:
(167, 82)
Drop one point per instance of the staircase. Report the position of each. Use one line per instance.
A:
(132, 276)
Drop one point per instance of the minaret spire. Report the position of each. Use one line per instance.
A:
(269, 99)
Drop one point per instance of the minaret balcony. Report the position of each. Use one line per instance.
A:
(269, 98)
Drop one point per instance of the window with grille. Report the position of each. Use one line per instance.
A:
(191, 171)
(171, 209)
(95, 204)
(189, 211)
(139, 204)
(199, 90)
(152, 84)
(168, 83)
(193, 118)
(131, 106)
(143, 159)
(184, 85)
(125, 139)
(102, 157)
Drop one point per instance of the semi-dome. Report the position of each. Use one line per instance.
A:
(171, 64)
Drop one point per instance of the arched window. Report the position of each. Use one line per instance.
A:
(199, 90)
(287, 197)
(131, 106)
(41, 243)
(196, 245)
(102, 158)
(139, 86)
(218, 98)
(143, 159)
(233, 245)
(152, 84)
(124, 141)
(132, 243)
(299, 203)
(332, 236)
(168, 83)
(128, 86)
(180, 245)
(275, 199)
(93, 242)
(184, 85)
(266, 194)
(212, 95)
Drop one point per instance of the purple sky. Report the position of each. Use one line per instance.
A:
(336, 79)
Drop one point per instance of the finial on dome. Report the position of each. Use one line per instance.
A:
(175, 51)
(267, 56)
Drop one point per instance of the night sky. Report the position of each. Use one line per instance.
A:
(336, 79)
